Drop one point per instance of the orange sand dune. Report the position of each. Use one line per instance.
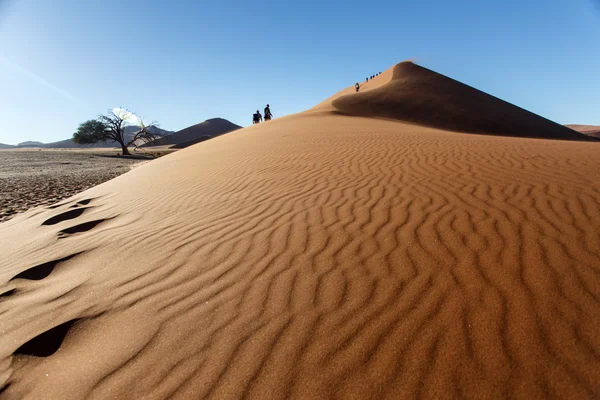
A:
(318, 255)
(590, 130)
(418, 95)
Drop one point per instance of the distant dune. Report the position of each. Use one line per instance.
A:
(590, 130)
(420, 96)
(70, 144)
(370, 247)
(186, 137)
(30, 144)
(197, 133)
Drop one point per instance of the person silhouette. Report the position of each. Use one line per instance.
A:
(257, 118)
(357, 86)
(268, 114)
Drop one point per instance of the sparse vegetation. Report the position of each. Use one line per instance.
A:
(111, 127)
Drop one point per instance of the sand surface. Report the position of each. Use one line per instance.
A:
(30, 178)
(318, 255)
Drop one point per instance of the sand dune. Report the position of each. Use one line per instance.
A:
(197, 133)
(417, 95)
(590, 130)
(128, 134)
(318, 255)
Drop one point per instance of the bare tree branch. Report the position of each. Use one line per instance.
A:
(112, 126)
(145, 134)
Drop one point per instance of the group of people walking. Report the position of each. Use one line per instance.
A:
(357, 86)
(258, 118)
(372, 76)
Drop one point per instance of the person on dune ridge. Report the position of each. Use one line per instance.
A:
(257, 118)
(268, 114)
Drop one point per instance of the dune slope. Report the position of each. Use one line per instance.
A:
(418, 95)
(590, 130)
(197, 133)
(318, 255)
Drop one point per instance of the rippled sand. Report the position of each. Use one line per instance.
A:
(314, 256)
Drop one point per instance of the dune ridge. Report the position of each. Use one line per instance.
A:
(318, 255)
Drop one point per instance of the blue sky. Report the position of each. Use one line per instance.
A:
(64, 61)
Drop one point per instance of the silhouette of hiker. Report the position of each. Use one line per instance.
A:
(257, 118)
(268, 114)
(357, 86)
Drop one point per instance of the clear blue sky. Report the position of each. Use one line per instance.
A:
(181, 62)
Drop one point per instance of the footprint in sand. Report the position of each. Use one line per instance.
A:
(8, 293)
(47, 343)
(41, 271)
(84, 227)
(65, 216)
(80, 203)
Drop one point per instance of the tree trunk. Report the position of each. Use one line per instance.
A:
(125, 149)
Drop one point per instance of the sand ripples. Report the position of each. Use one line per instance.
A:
(358, 258)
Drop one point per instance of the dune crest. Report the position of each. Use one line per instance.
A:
(318, 255)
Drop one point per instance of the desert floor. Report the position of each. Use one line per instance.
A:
(30, 178)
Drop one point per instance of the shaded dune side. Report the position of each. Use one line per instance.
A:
(589, 130)
(188, 143)
(197, 133)
(418, 95)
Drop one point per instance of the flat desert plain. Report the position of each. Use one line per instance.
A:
(34, 177)
(418, 239)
